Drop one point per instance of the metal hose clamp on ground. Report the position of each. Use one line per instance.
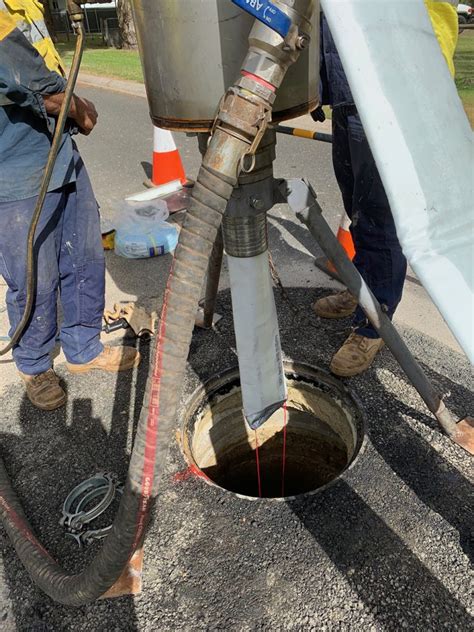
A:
(77, 511)
(245, 112)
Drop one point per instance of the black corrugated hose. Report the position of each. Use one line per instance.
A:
(242, 117)
(208, 204)
(161, 399)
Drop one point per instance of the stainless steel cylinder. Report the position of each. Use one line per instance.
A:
(192, 51)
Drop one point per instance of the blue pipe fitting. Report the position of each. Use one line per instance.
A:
(267, 13)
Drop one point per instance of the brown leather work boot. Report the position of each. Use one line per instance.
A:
(112, 359)
(43, 390)
(355, 356)
(340, 305)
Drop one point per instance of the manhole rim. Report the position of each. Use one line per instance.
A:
(212, 385)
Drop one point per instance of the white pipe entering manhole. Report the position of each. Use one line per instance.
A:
(324, 435)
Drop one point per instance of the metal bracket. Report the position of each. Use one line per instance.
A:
(204, 322)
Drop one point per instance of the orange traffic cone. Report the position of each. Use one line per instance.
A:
(344, 237)
(168, 177)
(167, 165)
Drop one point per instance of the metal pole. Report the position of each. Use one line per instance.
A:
(212, 284)
(311, 215)
(303, 133)
(206, 316)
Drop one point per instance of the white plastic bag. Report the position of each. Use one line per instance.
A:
(142, 230)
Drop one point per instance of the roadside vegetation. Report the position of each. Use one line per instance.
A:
(464, 62)
(102, 61)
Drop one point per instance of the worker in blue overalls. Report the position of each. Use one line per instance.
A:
(69, 253)
(379, 257)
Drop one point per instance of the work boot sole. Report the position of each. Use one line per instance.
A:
(84, 368)
(51, 406)
(333, 315)
(351, 372)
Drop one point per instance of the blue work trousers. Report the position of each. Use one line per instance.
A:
(379, 257)
(69, 262)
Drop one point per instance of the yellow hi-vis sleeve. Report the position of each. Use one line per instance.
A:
(28, 17)
(7, 24)
(445, 25)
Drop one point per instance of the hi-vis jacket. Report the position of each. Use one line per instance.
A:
(28, 17)
(444, 19)
(30, 67)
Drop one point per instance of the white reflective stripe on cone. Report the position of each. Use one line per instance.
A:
(345, 222)
(163, 141)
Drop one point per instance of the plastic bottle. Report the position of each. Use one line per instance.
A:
(143, 231)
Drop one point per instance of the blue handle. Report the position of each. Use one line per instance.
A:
(267, 13)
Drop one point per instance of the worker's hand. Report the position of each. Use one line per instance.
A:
(84, 113)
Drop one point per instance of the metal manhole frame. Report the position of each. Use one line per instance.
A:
(230, 377)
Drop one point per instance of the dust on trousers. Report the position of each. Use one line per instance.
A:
(69, 263)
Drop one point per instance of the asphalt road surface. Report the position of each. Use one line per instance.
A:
(389, 547)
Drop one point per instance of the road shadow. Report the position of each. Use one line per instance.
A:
(299, 232)
(46, 455)
(380, 568)
(140, 280)
(389, 578)
(147, 168)
(436, 481)
(378, 565)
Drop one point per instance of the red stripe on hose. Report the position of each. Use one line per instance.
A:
(257, 461)
(283, 466)
(21, 526)
(152, 425)
(259, 80)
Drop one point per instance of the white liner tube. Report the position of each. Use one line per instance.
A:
(257, 337)
(421, 140)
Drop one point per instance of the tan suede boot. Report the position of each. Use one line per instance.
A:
(43, 390)
(355, 356)
(112, 359)
(340, 305)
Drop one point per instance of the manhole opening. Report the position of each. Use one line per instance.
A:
(324, 434)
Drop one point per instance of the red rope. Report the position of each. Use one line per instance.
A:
(285, 423)
(259, 481)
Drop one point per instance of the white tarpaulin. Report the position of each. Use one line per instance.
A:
(421, 140)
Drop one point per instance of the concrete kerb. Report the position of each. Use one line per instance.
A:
(124, 86)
